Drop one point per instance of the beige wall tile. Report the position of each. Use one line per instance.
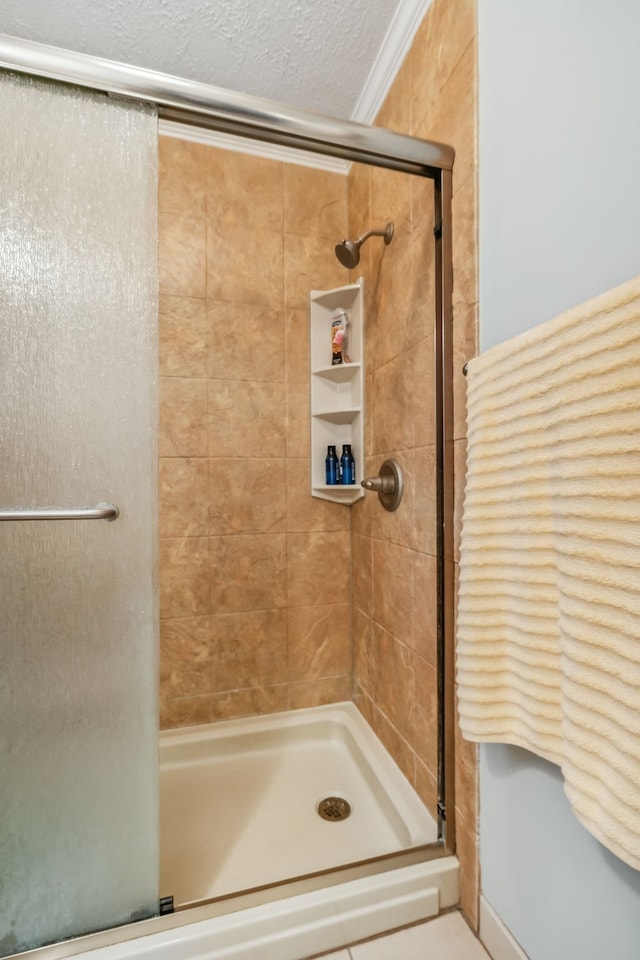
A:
(358, 193)
(424, 636)
(248, 650)
(465, 267)
(467, 851)
(244, 189)
(181, 255)
(245, 342)
(310, 264)
(466, 778)
(422, 205)
(315, 202)
(315, 693)
(422, 475)
(362, 572)
(365, 654)
(319, 641)
(365, 704)
(181, 177)
(184, 577)
(452, 118)
(405, 294)
(393, 588)
(395, 682)
(248, 572)
(306, 513)
(439, 44)
(318, 568)
(185, 712)
(184, 346)
(465, 347)
(389, 200)
(424, 735)
(184, 657)
(244, 264)
(296, 332)
(183, 494)
(369, 418)
(390, 401)
(246, 419)
(363, 512)
(247, 496)
(298, 434)
(248, 703)
(421, 374)
(395, 113)
(427, 788)
(183, 417)
(396, 745)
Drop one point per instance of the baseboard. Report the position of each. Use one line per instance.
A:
(495, 937)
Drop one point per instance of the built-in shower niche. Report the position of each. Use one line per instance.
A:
(337, 391)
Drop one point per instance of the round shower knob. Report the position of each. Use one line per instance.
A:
(388, 484)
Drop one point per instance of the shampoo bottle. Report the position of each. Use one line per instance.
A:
(347, 465)
(331, 466)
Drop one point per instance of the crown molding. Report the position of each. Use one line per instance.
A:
(393, 49)
(256, 148)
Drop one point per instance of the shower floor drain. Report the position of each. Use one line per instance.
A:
(334, 808)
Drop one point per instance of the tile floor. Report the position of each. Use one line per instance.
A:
(445, 938)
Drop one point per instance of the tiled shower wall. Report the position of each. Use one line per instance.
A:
(255, 588)
(433, 97)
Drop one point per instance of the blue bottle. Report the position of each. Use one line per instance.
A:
(331, 466)
(347, 465)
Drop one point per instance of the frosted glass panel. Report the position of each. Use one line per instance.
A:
(78, 724)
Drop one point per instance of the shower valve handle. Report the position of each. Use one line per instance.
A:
(388, 485)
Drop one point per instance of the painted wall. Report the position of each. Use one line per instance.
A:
(559, 213)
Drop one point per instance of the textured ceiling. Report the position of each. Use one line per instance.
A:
(315, 54)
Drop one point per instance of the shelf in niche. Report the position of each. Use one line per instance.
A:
(337, 487)
(338, 416)
(339, 373)
(338, 493)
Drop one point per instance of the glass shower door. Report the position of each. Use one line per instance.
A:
(78, 688)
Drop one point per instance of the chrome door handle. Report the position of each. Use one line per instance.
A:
(103, 511)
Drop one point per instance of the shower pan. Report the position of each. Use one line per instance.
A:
(357, 772)
(247, 803)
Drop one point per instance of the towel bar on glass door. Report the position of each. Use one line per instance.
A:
(103, 511)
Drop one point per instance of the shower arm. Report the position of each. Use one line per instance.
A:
(369, 233)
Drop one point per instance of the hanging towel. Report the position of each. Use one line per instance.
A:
(548, 650)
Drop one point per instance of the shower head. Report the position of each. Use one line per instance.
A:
(348, 252)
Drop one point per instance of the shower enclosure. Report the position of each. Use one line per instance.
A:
(373, 543)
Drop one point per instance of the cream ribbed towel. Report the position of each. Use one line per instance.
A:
(548, 653)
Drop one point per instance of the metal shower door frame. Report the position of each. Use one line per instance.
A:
(213, 108)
